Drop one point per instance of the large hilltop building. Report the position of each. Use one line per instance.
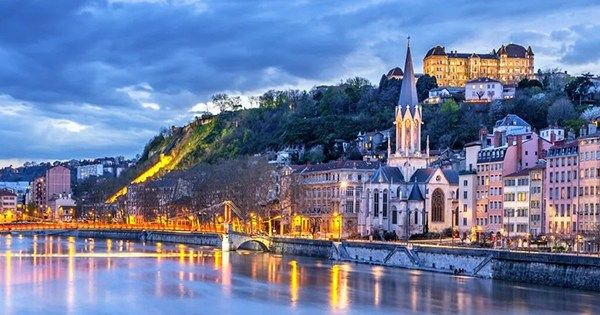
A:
(509, 64)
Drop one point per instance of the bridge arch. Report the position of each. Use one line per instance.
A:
(264, 246)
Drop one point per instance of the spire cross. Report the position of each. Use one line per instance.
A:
(408, 39)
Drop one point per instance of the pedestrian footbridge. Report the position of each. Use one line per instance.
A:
(233, 241)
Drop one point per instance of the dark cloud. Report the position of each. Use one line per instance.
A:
(86, 61)
(586, 46)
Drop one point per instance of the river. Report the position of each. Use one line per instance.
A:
(63, 275)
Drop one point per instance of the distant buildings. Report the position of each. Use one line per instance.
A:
(108, 166)
(509, 64)
(44, 191)
(85, 171)
(8, 205)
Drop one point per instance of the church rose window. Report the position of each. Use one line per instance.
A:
(437, 205)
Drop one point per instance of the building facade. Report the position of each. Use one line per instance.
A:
(327, 197)
(85, 171)
(509, 64)
(483, 90)
(561, 188)
(406, 197)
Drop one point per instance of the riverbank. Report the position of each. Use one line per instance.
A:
(561, 270)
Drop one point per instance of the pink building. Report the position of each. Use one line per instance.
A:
(512, 148)
(58, 182)
(587, 217)
(561, 185)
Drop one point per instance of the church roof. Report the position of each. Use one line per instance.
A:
(451, 176)
(424, 175)
(415, 193)
(387, 174)
(408, 89)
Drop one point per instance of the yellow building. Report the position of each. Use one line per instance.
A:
(509, 64)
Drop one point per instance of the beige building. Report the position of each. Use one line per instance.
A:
(509, 64)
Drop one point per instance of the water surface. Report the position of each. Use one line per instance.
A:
(60, 275)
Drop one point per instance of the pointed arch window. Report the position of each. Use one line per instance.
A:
(376, 203)
(384, 208)
(437, 205)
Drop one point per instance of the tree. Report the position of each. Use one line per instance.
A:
(526, 84)
(226, 103)
(424, 84)
(560, 111)
(578, 88)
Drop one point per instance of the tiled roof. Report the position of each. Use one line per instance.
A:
(363, 165)
(422, 175)
(451, 176)
(415, 193)
(396, 72)
(512, 120)
(387, 174)
(513, 50)
(5, 192)
(523, 172)
(483, 80)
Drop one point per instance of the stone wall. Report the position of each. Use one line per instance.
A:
(302, 247)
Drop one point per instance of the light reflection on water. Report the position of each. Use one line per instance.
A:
(60, 275)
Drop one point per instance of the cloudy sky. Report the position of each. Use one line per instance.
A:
(82, 79)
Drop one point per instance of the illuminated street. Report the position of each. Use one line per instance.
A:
(69, 276)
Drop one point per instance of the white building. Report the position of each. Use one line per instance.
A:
(85, 171)
(483, 90)
(467, 195)
(19, 188)
(516, 204)
(63, 207)
(552, 134)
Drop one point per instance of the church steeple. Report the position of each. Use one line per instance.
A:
(408, 89)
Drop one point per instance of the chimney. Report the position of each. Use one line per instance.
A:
(497, 139)
(591, 128)
(519, 140)
(552, 137)
(483, 132)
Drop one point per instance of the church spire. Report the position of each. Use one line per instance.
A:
(408, 89)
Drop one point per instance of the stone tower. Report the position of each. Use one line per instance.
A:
(408, 156)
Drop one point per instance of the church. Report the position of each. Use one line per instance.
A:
(407, 196)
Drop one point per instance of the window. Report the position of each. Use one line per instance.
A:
(376, 203)
(394, 215)
(437, 205)
(385, 203)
